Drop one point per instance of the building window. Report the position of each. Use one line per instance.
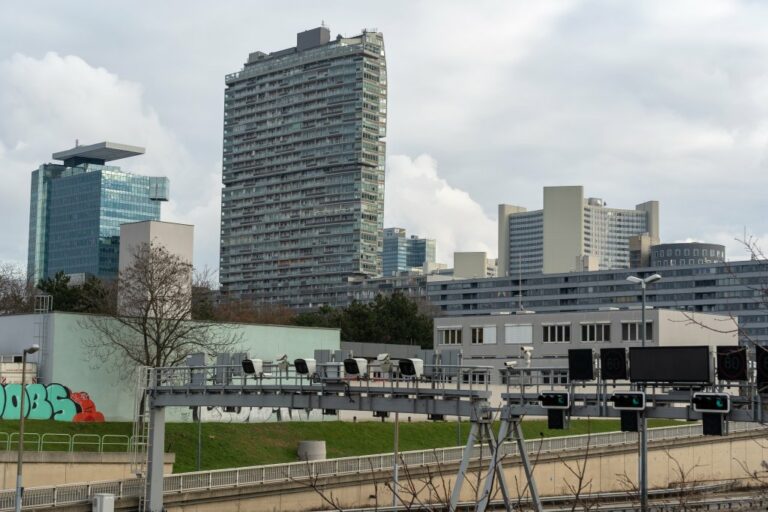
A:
(485, 335)
(596, 332)
(630, 331)
(518, 333)
(450, 336)
(474, 378)
(556, 333)
(555, 377)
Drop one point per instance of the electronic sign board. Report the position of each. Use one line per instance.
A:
(670, 364)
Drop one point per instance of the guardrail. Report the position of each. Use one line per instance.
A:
(36, 442)
(69, 494)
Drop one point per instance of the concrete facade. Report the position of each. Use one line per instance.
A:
(687, 253)
(74, 366)
(177, 238)
(491, 340)
(58, 468)
(570, 233)
(671, 464)
(467, 265)
(303, 169)
(734, 289)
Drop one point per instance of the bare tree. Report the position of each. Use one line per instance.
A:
(15, 293)
(246, 311)
(581, 484)
(152, 325)
(759, 293)
(685, 483)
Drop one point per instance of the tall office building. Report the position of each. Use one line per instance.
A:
(571, 233)
(303, 169)
(76, 209)
(404, 254)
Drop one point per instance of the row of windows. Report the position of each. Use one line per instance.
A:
(687, 252)
(550, 333)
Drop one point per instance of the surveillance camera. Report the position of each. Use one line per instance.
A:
(510, 364)
(526, 348)
(282, 362)
(385, 363)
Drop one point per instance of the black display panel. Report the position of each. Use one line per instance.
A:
(613, 364)
(761, 361)
(732, 363)
(581, 364)
(670, 364)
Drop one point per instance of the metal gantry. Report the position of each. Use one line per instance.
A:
(438, 392)
(531, 392)
(448, 391)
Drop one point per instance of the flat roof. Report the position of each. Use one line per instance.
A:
(106, 151)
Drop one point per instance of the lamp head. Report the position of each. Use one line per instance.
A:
(652, 278)
(31, 350)
(634, 279)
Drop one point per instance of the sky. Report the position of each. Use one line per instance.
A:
(489, 101)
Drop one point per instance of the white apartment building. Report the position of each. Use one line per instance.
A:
(571, 233)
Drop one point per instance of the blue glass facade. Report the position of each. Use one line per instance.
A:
(76, 212)
(402, 254)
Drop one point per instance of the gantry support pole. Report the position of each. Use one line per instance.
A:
(156, 459)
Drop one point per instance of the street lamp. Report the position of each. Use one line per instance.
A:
(19, 488)
(643, 460)
(643, 282)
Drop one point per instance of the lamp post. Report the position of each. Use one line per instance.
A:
(19, 488)
(643, 282)
(643, 425)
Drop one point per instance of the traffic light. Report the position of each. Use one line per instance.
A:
(719, 403)
(762, 369)
(581, 364)
(732, 363)
(555, 400)
(613, 364)
(629, 401)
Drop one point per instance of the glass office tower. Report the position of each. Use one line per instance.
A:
(303, 170)
(403, 254)
(76, 209)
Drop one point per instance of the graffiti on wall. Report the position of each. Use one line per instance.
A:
(48, 402)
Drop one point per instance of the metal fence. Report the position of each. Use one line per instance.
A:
(36, 442)
(202, 480)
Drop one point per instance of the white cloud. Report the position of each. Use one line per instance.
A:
(634, 100)
(49, 102)
(423, 203)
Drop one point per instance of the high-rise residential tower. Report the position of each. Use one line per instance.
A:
(571, 233)
(403, 254)
(303, 169)
(76, 209)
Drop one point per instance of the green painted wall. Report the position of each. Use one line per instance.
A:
(74, 367)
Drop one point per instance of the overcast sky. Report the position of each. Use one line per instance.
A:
(488, 103)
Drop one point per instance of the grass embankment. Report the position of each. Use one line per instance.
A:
(247, 444)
